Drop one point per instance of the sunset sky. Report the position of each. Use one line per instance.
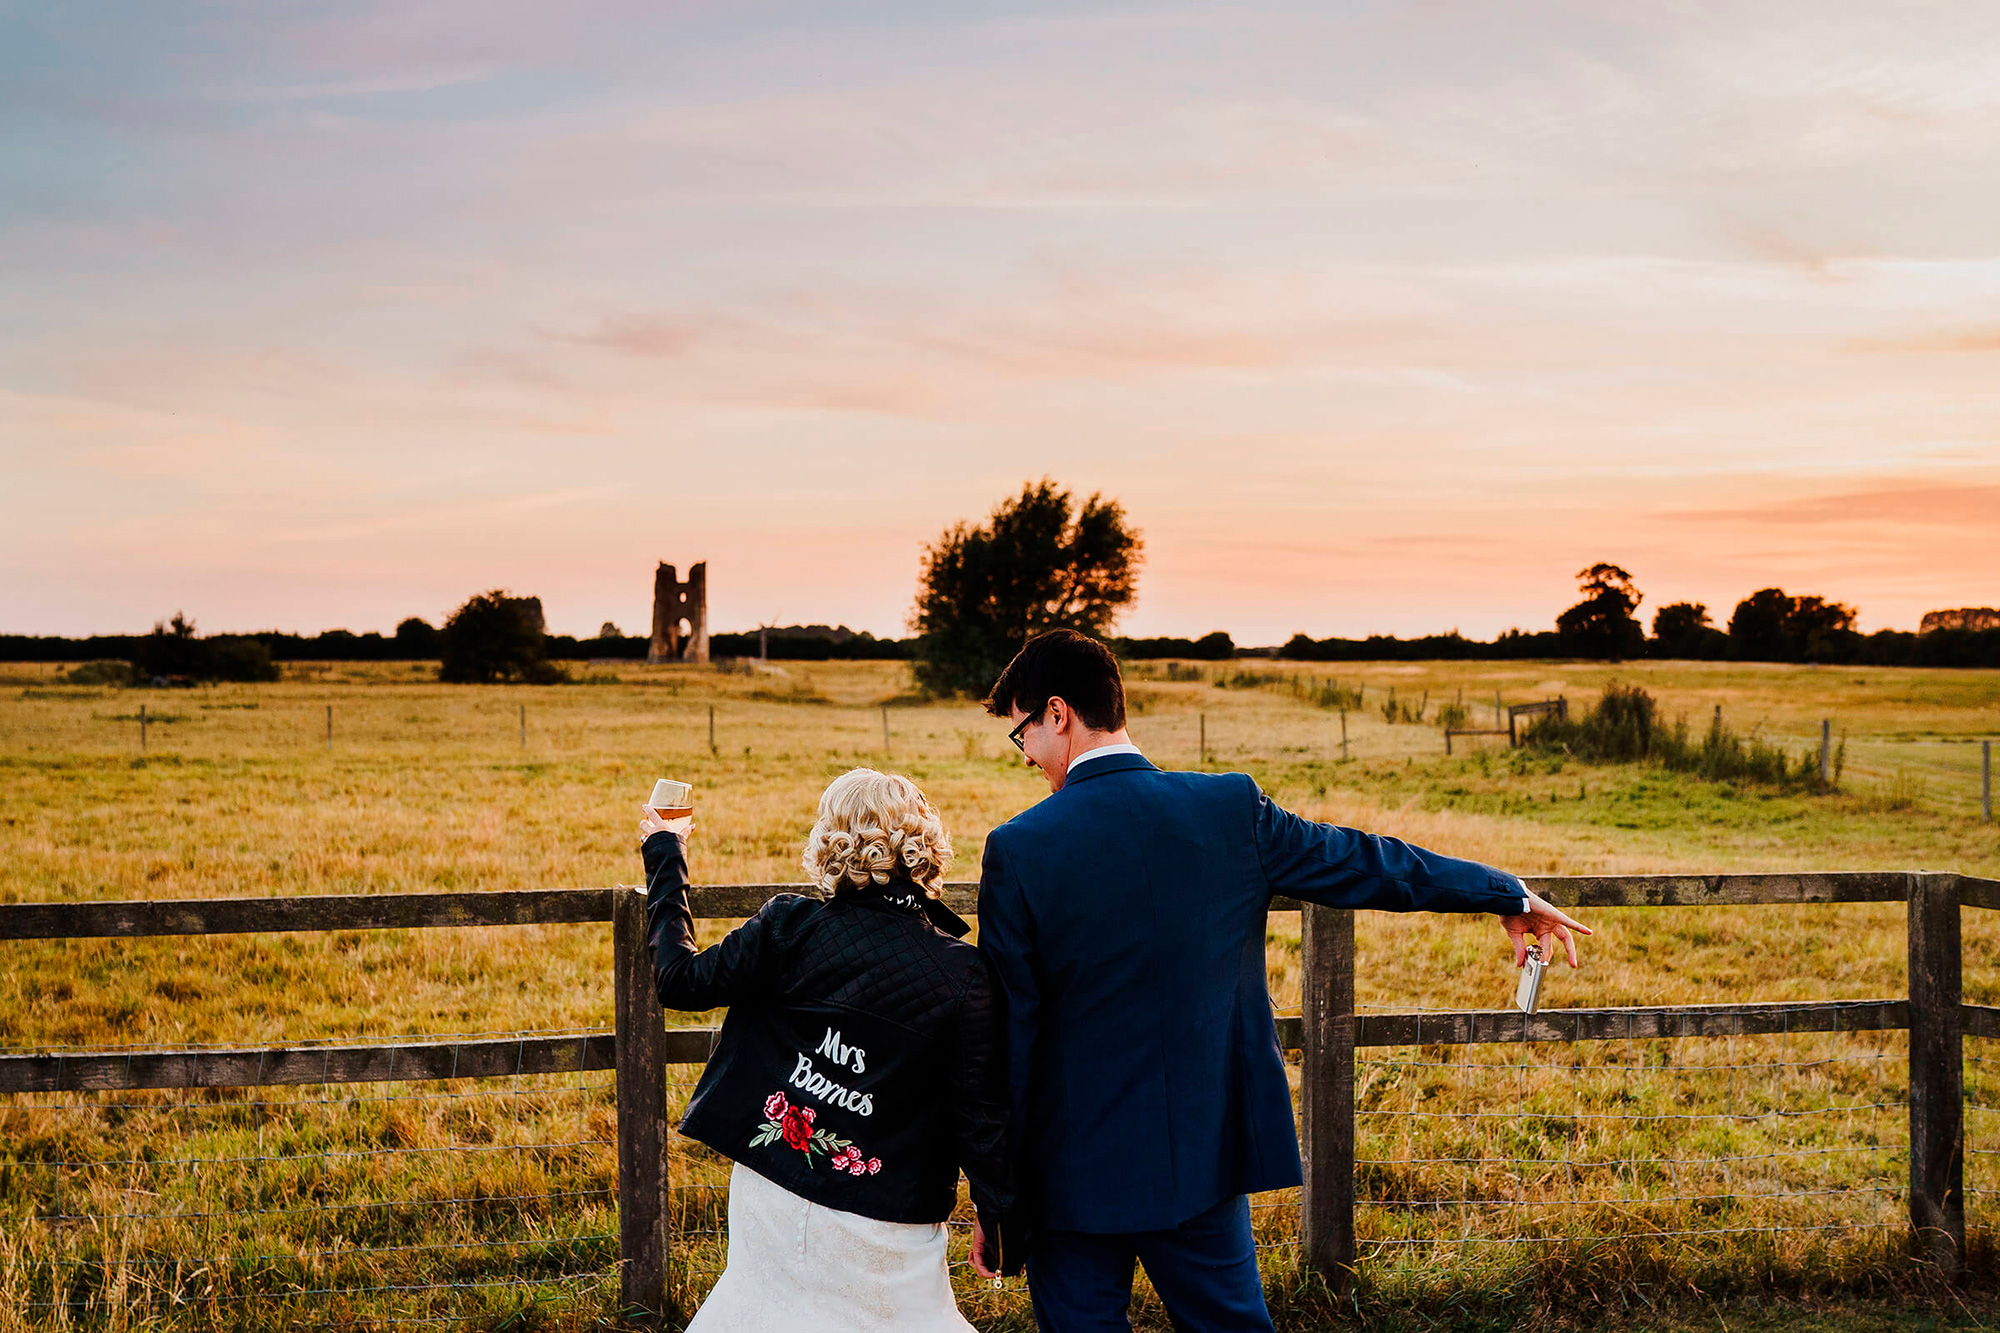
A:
(1376, 317)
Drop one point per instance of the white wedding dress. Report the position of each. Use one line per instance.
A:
(795, 1265)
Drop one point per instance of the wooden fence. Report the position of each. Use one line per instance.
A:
(641, 1046)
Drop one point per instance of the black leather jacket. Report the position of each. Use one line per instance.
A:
(859, 1065)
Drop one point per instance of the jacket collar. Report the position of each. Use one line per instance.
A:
(906, 897)
(1111, 763)
(946, 920)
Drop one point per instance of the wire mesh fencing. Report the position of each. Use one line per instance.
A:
(320, 1205)
(471, 1186)
(472, 1203)
(464, 1203)
(1982, 1140)
(1690, 1159)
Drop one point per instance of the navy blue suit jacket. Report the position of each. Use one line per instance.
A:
(1125, 916)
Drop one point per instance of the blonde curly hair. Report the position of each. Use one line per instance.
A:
(874, 827)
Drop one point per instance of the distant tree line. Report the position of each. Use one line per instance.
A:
(1770, 625)
(1451, 647)
(1038, 562)
(810, 644)
(416, 640)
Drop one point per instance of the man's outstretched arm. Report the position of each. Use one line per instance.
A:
(1344, 867)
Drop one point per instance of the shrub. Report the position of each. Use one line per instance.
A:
(238, 658)
(172, 652)
(105, 671)
(1249, 680)
(1394, 712)
(1326, 694)
(1625, 727)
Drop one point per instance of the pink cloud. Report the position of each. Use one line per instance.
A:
(1965, 506)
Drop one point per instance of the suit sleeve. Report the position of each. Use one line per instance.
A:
(1007, 938)
(686, 978)
(1343, 867)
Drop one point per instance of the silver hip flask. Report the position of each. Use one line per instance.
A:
(1528, 993)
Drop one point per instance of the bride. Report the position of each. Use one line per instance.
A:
(858, 1070)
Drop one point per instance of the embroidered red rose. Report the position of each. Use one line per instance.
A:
(794, 1126)
(798, 1126)
(874, 1165)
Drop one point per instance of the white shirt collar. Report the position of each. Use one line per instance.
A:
(1101, 752)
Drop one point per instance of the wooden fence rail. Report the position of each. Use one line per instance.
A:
(641, 1046)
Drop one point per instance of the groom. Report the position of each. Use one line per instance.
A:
(1125, 918)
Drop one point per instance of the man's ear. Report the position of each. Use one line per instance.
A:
(1059, 712)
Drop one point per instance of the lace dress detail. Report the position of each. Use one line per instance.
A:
(794, 1264)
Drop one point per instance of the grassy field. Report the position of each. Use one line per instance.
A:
(1496, 1180)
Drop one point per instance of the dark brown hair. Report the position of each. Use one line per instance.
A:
(1067, 665)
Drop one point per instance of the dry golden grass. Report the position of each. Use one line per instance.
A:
(429, 787)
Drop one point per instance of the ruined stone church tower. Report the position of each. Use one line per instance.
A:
(677, 604)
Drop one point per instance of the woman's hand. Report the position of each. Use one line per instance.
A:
(982, 1246)
(651, 823)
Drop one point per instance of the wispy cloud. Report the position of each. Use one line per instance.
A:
(652, 336)
(1943, 340)
(1964, 506)
(412, 81)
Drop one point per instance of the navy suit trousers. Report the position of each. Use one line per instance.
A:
(1205, 1271)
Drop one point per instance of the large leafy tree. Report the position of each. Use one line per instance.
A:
(417, 638)
(1680, 621)
(1817, 626)
(1684, 629)
(1771, 625)
(1603, 625)
(1038, 563)
(495, 637)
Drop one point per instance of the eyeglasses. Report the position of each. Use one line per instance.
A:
(1026, 722)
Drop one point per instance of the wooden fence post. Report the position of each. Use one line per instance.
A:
(1326, 1207)
(1937, 1196)
(640, 1043)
